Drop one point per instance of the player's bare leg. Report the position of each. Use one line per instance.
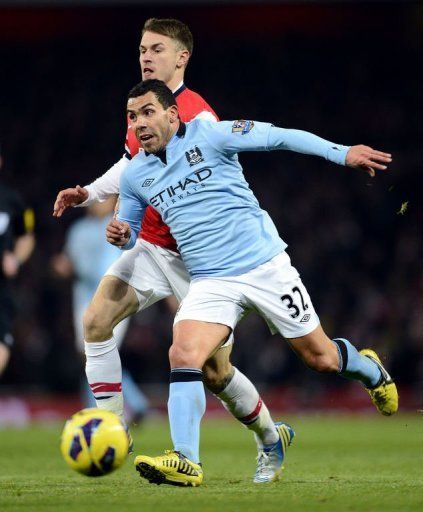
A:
(317, 351)
(194, 342)
(237, 393)
(113, 301)
(322, 354)
(218, 370)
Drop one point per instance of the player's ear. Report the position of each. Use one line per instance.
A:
(183, 58)
(173, 113)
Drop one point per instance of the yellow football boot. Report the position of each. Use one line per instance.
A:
(172, 468)
(385, 395)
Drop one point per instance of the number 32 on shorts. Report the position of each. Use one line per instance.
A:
(293, 300)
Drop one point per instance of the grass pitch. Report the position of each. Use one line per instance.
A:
(361, 463)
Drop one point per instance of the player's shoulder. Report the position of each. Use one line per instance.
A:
(207, 125)
(137, 161)
(200, 126)
(191, 104)
(205, 131)
(186, 95)
(135, 165)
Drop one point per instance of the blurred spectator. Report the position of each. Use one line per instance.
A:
(17, 242)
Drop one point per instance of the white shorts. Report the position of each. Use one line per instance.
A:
(274, 290)
(154, 273)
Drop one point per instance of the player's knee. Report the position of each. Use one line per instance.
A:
(184, 356)
(97, 325)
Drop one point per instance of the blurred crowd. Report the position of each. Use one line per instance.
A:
(356, 241)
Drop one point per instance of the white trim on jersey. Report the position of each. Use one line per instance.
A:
(181, 83)
(107, 184)
(205, 115)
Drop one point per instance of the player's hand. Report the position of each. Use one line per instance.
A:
(69, 197)
(368, 159)
(61, 265)
(118, 233)
(10, 265)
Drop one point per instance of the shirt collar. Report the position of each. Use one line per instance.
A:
(181, 131)
(178, 89)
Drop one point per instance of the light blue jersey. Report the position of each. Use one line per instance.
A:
(200, 191)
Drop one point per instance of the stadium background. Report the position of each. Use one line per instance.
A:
(349, 72)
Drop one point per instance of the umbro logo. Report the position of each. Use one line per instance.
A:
(148, 182)
(194, 156)
(305, 318)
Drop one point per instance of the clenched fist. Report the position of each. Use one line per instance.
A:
(118, 233)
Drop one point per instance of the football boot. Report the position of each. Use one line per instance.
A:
(270, 458)
(172, 468)
(384, 395)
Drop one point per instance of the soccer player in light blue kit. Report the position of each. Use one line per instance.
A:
(191, 174)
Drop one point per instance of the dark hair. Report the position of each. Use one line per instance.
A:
(174, 29)
(159, 88)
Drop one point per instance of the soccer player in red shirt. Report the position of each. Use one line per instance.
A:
(153, 269)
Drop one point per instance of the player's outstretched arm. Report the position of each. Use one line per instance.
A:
(69, 197)
(99, 190)
(367, 159)
(244, 135)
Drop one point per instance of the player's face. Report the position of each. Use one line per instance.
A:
(153, 125)
(159, 57)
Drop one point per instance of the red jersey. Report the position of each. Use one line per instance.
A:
(153, 229)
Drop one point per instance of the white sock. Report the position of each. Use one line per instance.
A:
(241, 399)
(104, 374)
